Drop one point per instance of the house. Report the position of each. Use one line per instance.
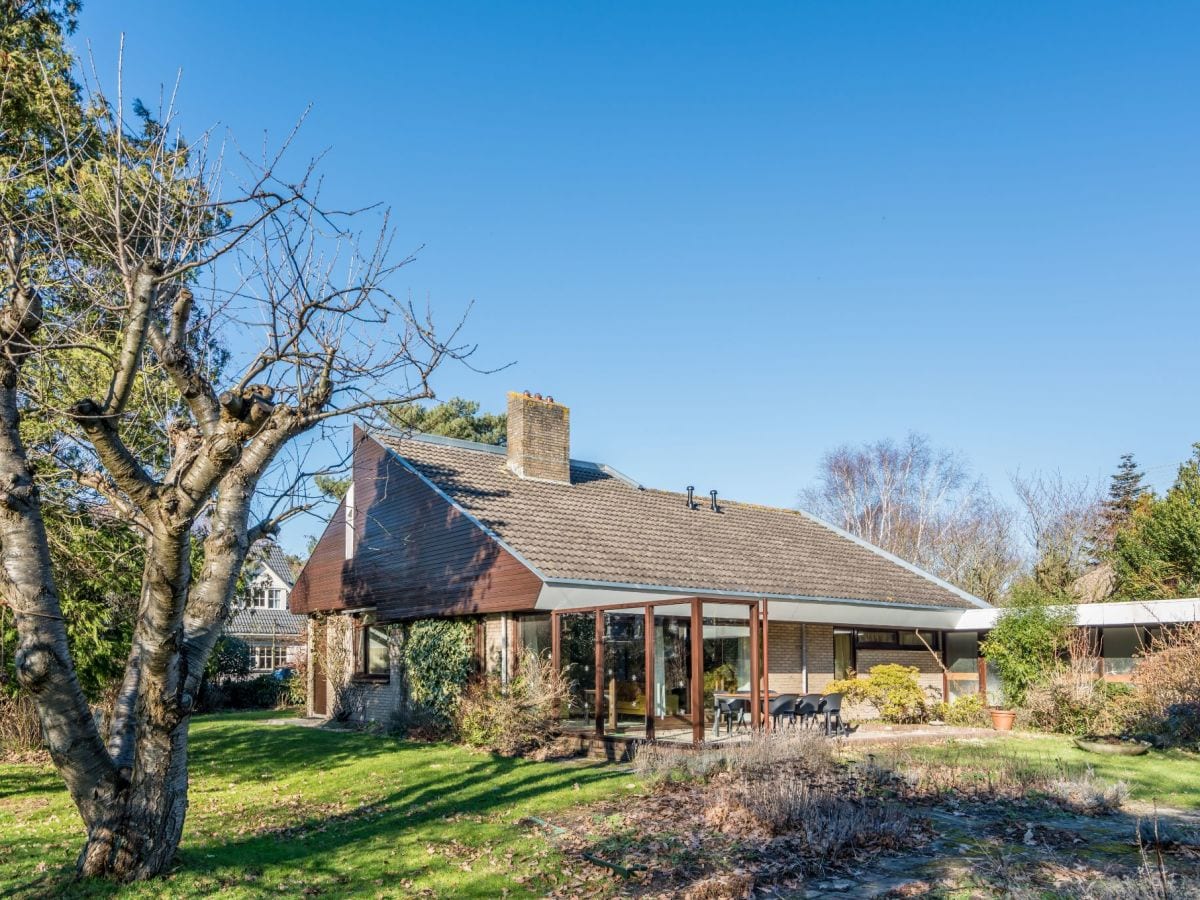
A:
(655, 599)
(261, 617)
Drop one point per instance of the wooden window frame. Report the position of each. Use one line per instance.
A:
(362, 631)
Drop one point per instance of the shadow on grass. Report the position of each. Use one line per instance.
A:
(237, 748)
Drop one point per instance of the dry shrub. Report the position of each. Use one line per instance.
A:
(1166, 673)
(518, 717)
(1068, 704)
(1000, 777)
(811, 826)
(1075, 699)
(20, 730)
(1084, 792)
(773, 750)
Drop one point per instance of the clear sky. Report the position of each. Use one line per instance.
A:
(731, 236)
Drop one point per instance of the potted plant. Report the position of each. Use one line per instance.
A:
(1023, 647)
(1002, 719)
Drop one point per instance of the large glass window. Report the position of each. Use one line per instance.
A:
(371, 652)
(577, 649)
(1120, 647)
(962, 663)
(726, 656)
(625, 670)
(843, 653)
(920, 640)
(534, 633)
(672, 667)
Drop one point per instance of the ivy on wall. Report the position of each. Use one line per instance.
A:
(437, 660)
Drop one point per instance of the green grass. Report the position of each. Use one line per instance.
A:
(1170, 778)
(284, 810)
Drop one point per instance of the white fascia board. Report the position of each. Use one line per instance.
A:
(1098, 615)
(1140, 612)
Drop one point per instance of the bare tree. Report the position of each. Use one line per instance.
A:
(1060, 519)
(135, 259)
(920, 503)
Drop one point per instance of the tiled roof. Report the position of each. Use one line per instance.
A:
(604, 528)
(272, 556)
(257, 620)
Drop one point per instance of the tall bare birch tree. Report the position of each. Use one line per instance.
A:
(120, 242)
(922, 504)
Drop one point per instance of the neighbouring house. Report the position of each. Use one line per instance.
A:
(261, 617)
(654, 599)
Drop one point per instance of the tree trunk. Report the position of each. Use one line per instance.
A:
(138, 835)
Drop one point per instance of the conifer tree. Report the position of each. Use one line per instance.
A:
(1124, 490)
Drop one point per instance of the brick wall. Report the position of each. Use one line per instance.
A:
(539, 439)
(819, 640)
(783, 660)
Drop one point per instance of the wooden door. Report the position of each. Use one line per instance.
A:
(320, 686)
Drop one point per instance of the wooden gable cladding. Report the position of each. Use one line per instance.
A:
(414, 554)
(319, 586)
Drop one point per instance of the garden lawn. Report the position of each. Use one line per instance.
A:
(1170, 778)
(287, 810)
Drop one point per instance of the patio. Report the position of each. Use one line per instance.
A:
(639, 674)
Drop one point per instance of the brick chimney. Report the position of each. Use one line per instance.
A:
(539, 438)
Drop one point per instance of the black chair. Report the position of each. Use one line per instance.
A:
(732, 711)
(783, 705)
(832, 708)
(807, 708)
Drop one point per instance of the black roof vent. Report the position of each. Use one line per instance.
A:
(713, 494)
(691, 489)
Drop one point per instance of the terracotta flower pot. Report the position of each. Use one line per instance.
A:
(1002, 719)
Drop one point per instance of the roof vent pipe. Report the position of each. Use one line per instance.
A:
(691, 489)
(713, 494)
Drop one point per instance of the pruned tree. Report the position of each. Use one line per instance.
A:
(120, 242)
(922, 504)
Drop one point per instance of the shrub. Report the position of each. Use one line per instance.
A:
(230, 658)
(514, 718)
(891, 688)
(437, 661)
(828, 825)
(1068, 705)
(763, 753)
(990, 775)
(294, 691)
(1025, 643)
(20, 728)
(967, 711)
(1181, 726)
(1166, 673)
(261, 692)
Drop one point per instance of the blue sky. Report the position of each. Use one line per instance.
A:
(732, 236)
